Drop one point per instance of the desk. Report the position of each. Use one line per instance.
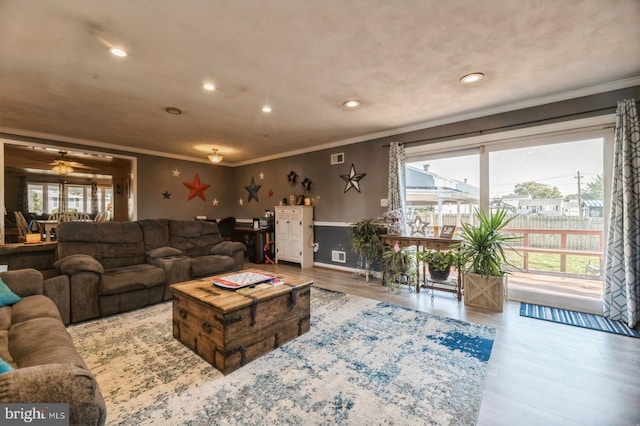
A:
(255, 240)
(425, 243)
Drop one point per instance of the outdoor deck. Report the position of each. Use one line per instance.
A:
(565, 292)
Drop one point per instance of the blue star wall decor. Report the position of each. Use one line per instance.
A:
(352, 179)
(166, 195)
(253, 190)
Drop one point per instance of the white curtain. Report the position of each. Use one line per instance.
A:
(397, 196)
(622, 265)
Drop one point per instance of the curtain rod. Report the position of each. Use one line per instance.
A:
(505, 127)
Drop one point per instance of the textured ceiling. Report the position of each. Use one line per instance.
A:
(402, 59)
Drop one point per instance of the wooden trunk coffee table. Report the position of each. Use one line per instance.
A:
(231, 328)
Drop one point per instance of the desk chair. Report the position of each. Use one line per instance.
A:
(227, 226)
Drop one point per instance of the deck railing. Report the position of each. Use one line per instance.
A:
(563, 251)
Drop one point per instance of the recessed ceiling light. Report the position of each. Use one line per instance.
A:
(118, 52)
(266, 109)
(173, 110)
(471, 78)
(351, 103)
(208, 86)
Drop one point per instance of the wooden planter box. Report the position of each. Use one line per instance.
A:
(485, 291)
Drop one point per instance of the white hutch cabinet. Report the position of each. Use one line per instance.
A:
(294, 234)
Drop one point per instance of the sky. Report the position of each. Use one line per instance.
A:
(555, 165)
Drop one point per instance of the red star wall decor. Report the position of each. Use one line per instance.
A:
(196, 188)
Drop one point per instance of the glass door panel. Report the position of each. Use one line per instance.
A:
(556, 193)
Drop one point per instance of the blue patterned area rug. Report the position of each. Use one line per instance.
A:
(578, 319)
(363, 363)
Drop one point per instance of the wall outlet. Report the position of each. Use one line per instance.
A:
(338, 256)
(384, 202)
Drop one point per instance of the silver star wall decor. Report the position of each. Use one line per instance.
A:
(352, 179)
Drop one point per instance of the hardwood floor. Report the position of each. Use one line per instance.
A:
(540, 373)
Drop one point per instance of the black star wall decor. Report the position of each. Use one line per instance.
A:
(292, 177)
(166, 195)
(253, 190)
(306, 184)
(352, 179)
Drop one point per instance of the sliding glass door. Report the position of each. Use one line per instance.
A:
(555, 185)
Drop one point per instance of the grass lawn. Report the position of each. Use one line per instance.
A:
(549, 262)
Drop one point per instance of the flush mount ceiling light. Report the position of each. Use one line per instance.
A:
(118, 52)
(209, 87)
(471, 78)
(266, 109)
(173, 110)
(214, 157)
(351, 103)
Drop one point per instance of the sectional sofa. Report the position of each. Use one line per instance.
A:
(115, 267)
(38, 357)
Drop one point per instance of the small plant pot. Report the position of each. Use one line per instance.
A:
(439, 275)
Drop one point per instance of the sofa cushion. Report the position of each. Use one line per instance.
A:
(23, 282)
(210, 265)
(7, 297)
(42, 341)
(113, 244)
(5, 317)
(34, 307)
(4, 347)
(194, 237)
(155, 233)
(129, 278)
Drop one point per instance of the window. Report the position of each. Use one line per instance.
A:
(441, 191)
(78, 198)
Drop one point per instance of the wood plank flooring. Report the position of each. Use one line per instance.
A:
(540, 373)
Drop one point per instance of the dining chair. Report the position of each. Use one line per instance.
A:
(22, 225)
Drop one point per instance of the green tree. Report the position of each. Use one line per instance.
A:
(594, 189)
(536, 190)
(37, 203)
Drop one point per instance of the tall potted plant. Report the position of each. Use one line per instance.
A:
(366, 243)
(484, 261)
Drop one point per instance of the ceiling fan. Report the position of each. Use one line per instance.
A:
(64, 167)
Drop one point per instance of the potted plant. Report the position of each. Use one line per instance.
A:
(366, 243)
(439, 262)
(483, 260)
(399, 266)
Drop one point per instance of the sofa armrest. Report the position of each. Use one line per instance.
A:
(163, 253)
(58, 289)
(78, 263)
(57, 383)
(24, 282)
(228, 248)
